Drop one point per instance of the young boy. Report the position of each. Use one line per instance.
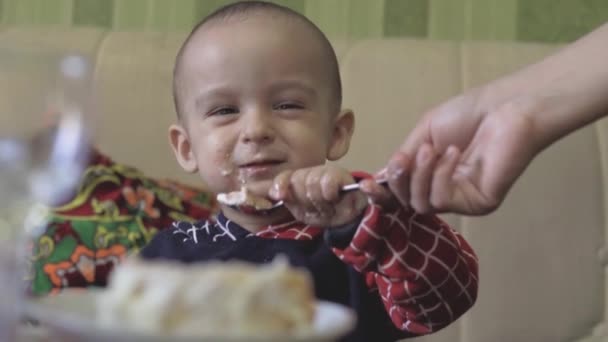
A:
(258, 96)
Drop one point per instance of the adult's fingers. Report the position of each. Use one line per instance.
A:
(398, 173)
(443, 184)
(421, 179)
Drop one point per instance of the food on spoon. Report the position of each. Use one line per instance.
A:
(230, 299)
(244, 198)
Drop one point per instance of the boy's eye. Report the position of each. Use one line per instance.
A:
(223, 111)
(288, 106)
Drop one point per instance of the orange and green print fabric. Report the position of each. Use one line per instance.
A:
(116, 211)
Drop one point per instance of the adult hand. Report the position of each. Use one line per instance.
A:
(463, 158)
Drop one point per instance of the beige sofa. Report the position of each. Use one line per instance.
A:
(542, 255)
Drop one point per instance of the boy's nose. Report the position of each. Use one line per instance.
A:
(258, 128)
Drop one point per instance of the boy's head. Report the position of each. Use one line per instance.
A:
(257, 91)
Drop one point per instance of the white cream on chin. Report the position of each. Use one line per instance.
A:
(226, 172)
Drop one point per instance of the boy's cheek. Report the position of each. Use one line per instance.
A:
(216, 182)
(217, 169)
(218, 174)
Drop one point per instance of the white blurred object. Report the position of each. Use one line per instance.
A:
(10, 284)
(53, 180)
(42, 157)
(74, 66)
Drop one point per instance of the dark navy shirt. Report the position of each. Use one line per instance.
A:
(334, 280)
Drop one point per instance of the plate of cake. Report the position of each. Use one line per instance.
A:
(163, 300)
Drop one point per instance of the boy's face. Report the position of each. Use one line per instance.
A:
(257, 99)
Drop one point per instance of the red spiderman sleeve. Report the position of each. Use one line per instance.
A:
(425, 272)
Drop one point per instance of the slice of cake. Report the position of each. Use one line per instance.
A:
(214, 299)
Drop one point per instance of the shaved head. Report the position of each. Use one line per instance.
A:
(240, 11)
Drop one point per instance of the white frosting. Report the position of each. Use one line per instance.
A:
(244, 198)
(226, 172)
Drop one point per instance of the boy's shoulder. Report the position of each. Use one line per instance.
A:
(193, 231)
(182, 238)
(179, 233)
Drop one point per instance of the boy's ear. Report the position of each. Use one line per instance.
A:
(178, 138)
(344, 126)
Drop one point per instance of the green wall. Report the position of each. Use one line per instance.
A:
(523, 20)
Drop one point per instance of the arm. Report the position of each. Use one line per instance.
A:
(425, 272)
(464, 155)
(575, 80)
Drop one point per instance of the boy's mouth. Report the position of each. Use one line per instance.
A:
(260, 168)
